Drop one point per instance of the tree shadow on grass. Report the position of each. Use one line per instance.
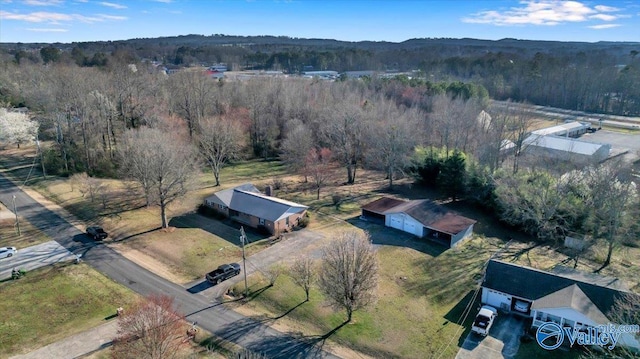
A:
(466, 309)
(136, 234)
(288, 311)
(257, 337)
(226, 229)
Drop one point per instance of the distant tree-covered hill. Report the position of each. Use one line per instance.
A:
(602, 76)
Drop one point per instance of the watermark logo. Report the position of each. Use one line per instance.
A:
(550, 336)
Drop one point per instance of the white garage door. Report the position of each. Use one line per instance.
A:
(411, 227)
(496, 299)
(396, 222)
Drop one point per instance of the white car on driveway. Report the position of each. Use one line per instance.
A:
(484, 320)
(6, 252)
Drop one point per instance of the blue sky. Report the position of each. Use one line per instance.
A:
(349, 20)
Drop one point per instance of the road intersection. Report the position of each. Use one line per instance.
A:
(210, 315)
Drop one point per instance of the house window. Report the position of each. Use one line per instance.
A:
(541, 316)
(222, 206)
(554, 318)
(287, 222)
(261, 221)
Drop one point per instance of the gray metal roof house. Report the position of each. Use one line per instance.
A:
(247, 205)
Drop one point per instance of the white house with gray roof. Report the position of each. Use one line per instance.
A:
(568, 298)
(247, 205)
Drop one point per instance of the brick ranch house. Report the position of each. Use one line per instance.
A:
(247, 205)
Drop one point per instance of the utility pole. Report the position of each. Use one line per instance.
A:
(243, 238)
(16, 213)
(44, 172)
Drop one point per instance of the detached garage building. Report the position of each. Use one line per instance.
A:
(422, 218)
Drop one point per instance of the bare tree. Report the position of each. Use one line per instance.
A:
(317, 165)
(392, 141)
(626, 311)
(349, 273)
(343, 130)
(150, 329)
(273, 273)
(303, 274)
(611, 195)
(519, 121)
(192, 97)
(219, 142)
(87, 184)
(162, 164)
(456, 121)
(492, 138)
(295, 147)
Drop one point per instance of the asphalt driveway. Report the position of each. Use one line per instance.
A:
(503, 340)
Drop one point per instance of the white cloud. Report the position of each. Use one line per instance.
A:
(603, 17)
(604, 26)
(40, 16)
(47, 30)
(112, 17)
(43, 2)
(542, 12)
(55, 18)
(605, 8)
(112, 5)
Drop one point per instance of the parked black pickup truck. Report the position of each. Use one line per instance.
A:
(97, 233)
(223, 272)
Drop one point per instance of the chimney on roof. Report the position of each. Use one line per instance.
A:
(268, 191)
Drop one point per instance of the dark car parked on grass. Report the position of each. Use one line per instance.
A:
(223, 273)
(97, 233)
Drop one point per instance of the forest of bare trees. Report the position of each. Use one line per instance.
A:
(132, 121)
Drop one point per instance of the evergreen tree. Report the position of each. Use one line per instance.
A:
(452, 178)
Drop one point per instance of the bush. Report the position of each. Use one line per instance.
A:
(304, 221)
(277, 183)
(336, 199)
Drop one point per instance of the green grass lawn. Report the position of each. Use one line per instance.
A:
(29, 235)
(248, 171)
(54, 302)
(421, 299)
(532, 350)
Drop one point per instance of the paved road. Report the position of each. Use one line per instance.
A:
(503, 340)
(211, 316)
(34, 257)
